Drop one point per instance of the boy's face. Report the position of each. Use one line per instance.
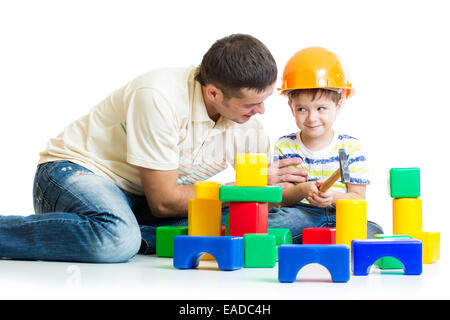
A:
(315, 118)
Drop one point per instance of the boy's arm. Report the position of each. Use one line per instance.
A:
(354, 191)
(295, 194)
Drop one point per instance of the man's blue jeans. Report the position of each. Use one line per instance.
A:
(83, 217)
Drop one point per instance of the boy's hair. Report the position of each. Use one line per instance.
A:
(237, 61)
(316, 93)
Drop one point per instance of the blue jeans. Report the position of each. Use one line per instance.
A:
(83, 217)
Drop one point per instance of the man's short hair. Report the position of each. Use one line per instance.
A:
(237, 61)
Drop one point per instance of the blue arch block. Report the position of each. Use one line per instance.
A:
(366, 252)
(291, 258)
(227, 250)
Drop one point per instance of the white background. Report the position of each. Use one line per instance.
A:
(59, 58)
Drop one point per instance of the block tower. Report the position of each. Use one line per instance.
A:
(407, 211)
(248, 210)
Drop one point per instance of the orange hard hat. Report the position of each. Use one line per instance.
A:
(315, 67)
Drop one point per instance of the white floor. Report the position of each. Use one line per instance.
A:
(150, 277)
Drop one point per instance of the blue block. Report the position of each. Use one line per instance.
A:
(366, 252)
(227, 250)
(293, 257)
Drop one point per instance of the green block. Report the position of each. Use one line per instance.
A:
(404, 182)
(282, 236)
(259, 250)
(164, 239)
(272, 194)
(227, 219)
(389, 262)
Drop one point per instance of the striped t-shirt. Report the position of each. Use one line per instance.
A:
(322, 163)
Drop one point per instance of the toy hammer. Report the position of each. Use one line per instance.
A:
(342, 172)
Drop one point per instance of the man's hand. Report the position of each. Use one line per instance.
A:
(280, 174)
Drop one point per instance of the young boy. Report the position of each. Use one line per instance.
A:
(316, 85)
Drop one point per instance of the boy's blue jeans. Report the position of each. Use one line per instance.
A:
(83, 217)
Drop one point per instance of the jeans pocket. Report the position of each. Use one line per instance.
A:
(40, 184)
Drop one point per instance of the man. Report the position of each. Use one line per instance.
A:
(111, 177)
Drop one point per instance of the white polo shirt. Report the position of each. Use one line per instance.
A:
(157, 121)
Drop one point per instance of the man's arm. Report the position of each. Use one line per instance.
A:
(164, 196)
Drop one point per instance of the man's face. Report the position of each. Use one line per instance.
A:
(241, 109)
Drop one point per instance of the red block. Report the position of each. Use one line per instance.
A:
(319, 236)
(222, 230)
(247, 217)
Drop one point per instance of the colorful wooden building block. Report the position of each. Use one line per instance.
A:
(406, 215)
(404, 182)
(247, 217)
(251, 170)
(228, 251)
(204, 217)
(282, 236)
(207, 190)
(366, 252)
(431, 243)
(260, 250)
(319, 236)
(164, 239)
(389, 262)
(351, 220)
(291, 258)
(272, 194)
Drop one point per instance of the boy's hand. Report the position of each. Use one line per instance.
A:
(308, 189)
(321, 199)
(281, 174)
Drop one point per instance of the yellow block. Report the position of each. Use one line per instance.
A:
(351, 220)
(431, 242)
(251, 170)
(204, 219)
(207, 190)
(406, 215)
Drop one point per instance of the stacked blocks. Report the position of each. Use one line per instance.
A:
(228, 251)
(248, 209)
(319, 236)
(245, 236)
(407, 211)
(367, 252)
(336, 258)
